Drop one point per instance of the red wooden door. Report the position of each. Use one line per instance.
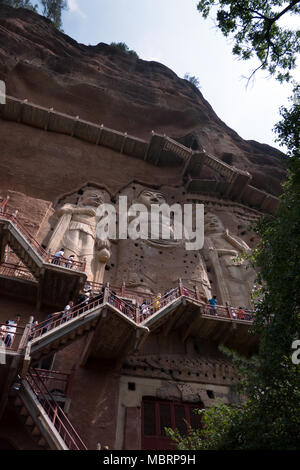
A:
(158, 414)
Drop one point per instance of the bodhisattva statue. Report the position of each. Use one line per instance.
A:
(75, 231)
(234, 281)
(155, 265)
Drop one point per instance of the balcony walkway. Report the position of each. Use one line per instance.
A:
(57, 282)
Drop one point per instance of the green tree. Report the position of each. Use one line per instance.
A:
(256, 30)
(192, 79)
(52, 9)
(123, 47)
(20, 4)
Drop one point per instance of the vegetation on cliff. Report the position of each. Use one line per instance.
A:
(51, 9)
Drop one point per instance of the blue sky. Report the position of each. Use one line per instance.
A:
(173, 32)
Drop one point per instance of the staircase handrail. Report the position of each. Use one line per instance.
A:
(47, 256)
(59, 419)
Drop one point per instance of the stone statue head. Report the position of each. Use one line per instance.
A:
(91, 197)
(150, 196)
(212, 224)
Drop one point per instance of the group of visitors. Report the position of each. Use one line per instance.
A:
(8, 331)
(88, 296)
(60, 260)
(237, 313)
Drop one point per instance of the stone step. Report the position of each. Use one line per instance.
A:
(42, 442)
(23, 411)
(18, 402)
(35, 431)
(29, 421)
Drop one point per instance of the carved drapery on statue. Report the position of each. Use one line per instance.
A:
(233, 276)
(75, 231)
(156, 265)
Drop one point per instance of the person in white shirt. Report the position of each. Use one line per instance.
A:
(59, 254)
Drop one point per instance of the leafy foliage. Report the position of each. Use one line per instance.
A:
(192, 79)
(20, 4)
(123, 47)
(51, 9)
(216, 422)
(288, 129)
(255, 27)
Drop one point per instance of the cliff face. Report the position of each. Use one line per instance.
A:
(104, 85)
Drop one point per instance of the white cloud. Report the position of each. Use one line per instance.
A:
(75, 8)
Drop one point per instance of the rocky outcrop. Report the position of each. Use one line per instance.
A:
(105, 85)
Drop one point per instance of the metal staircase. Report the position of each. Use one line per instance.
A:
(43, 417)
(57, 282)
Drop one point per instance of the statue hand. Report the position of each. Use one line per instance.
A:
(104, 255)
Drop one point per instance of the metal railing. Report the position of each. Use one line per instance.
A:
(47, 256)
(58, 418)
(14, 270)
(57, 382)
(137, 313)
(10, 337)
(3, 204)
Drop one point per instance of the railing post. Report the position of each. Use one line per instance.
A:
(137, 315)
(84, 264)
(197, 295)
(106, 293)
(25, 336)
(123, 289)
(49, 254)
(180, 287)
(229, 311)
(24, 344)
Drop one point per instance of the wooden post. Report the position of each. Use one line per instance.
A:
(106, 293)
(180, 287)
(197, 295)
(229, 311)
(137, 315)
(123, 289)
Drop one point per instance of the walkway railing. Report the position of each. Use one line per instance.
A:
(3, 204)
(47, 257)
(14, 270)
(58, 418)
(10, 337)
(57, 382)
(136, 313)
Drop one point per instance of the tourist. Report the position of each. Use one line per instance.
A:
(58, 255)
(240, 313)
(49, 321)
(186, 292)
(213, 303)
(33, 330)
(12, 325)
(87, 287)
(170, 295)
(4, 331)
(156, 304)
(67, 315)
(69, 262)
(144, 309)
